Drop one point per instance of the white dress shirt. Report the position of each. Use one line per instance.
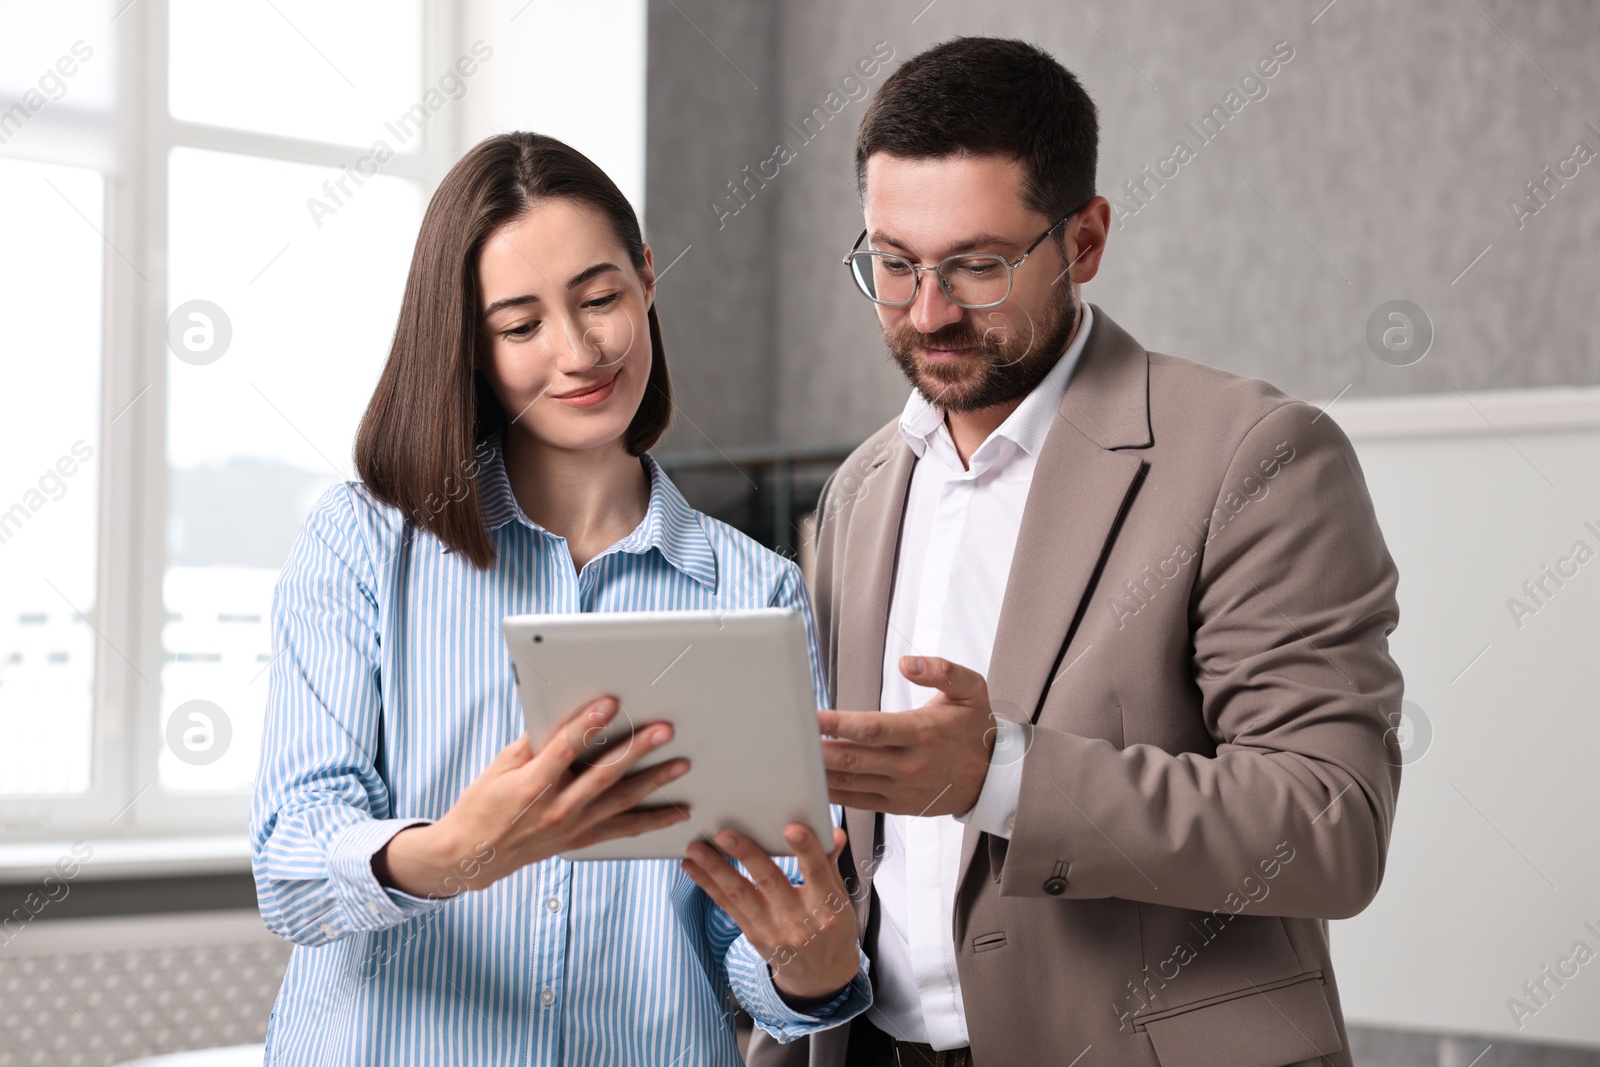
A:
(956, 544)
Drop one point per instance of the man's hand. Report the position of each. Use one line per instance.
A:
(928, 761)
(807, 932)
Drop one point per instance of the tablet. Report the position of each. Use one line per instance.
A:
(736, 687)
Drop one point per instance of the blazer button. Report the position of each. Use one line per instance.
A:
(1056, 886)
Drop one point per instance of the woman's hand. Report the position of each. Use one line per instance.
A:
(527, 806)
(806, 932)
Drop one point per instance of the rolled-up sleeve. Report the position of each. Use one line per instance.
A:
(751, 979)
(320, 810)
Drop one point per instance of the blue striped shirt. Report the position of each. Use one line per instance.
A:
(390, 690)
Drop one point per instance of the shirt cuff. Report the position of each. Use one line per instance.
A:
(366, 903)
(751, 979)
(996, 809)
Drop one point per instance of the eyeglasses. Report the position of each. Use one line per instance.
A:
(971, 279)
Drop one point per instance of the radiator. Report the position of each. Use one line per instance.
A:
(93, 992)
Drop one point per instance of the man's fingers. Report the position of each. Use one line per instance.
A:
(868, 727)
(860, 801)
(859, 783)
(860, 760)
(960, 684)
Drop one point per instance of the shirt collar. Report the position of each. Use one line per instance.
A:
(921, 422)
(670, 525)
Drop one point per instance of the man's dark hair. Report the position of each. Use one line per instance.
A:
(989, 96)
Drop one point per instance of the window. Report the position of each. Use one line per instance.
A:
(268, 290)
(210, 215)
(51, 278)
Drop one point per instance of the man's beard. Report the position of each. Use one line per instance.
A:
(999, 364)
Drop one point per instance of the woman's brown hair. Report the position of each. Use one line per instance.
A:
(421, 439)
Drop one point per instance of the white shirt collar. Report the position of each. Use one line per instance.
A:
(922, 423)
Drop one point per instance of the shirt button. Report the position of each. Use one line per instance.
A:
(552, 905)
(1011, 823)
(1056, 886)
(548, 997)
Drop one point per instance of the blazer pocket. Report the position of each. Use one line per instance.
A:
(1269, 1024)
(989, 942)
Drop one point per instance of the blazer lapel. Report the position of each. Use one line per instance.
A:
(1081, 485)
(866, 582)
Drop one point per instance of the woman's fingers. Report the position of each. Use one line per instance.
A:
(612, 773)
(630, 824)
(725, 898)
(630, 749)
(816, 866)
(734, 893)
(639, 789)
(574, 737)
(769, 879)
(576, 806)
(511, 757)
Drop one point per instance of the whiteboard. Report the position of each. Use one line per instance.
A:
(1494, 865)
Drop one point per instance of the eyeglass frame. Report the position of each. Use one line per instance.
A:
(944, 286)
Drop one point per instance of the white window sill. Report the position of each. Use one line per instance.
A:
(149, 857)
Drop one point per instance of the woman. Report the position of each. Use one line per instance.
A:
(404, 835)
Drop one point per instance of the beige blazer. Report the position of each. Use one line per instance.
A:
(1196, 623)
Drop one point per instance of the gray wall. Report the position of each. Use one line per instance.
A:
(704, 120)
(1382, 159)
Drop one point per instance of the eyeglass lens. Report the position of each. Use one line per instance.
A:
(971, 280)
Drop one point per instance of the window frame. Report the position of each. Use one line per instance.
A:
(124, 799)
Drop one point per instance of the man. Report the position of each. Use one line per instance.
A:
(1138, 609)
